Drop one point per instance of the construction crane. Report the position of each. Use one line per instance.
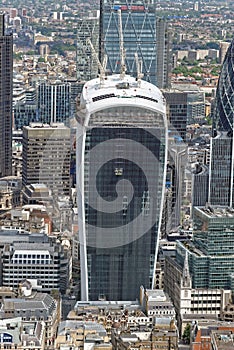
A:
(102, 67)
(121, 46)
(139, 69)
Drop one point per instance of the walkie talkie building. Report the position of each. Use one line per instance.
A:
(121, 167)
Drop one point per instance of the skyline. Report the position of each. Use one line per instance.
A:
(106, 229)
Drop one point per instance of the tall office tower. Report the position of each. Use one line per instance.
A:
(121, 167)
(139, 35)
(175, 183)
(177, 160)
(164, 54)
(224, 103)
(200, 182)
(54, 105)
(86, 64)
(184, 107)
(6, 71)
(221, 170)
(46, 156)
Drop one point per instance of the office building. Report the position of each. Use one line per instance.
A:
(54, 102)
(210, 254)
(6, 72)
(200, 185)
(35, 257)
(164, 54)
(86, 64)
(156, 303)
(139, 36)
(224, 105)
(192, 303)
(175, 186)
(185, 105)
(121, 135)
(221, 170)
(46, 156)
(24, 114)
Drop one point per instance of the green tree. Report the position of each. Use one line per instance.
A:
(186, 334)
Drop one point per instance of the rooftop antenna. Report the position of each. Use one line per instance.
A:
(102, 67)
(139, 69)
(121, 46)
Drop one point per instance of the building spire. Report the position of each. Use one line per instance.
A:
(186, 279)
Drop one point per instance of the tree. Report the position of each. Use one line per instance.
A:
(186, 334)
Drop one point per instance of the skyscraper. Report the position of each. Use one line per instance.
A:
(224, 102)
(46, 156)
(221, 165)
(221, 170)
(163, 54)
(185, 105)
(121, 167)
(86, 65)
(6, 71)
(139, 34)
(54, 102)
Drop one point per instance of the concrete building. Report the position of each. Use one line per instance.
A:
(191, 303)
(162, 336)
(35, 257)
(46, 157)
(85, 335)
(31, 218)
(200, 279)
(6, 72)
(156, 303)
(10, 195)
(211, 334)
(36, 307)
(37, 194)
(18, 334)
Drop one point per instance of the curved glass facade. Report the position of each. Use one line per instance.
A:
(124, 163)
(224, 104)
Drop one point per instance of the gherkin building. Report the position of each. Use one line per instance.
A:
(224, 103)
